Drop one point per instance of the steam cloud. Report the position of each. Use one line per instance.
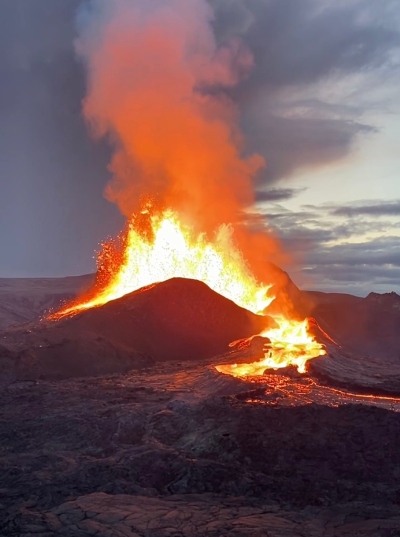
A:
(155, 87)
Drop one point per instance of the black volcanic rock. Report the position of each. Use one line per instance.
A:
(166, 433)
(179, 319)
(183, 319)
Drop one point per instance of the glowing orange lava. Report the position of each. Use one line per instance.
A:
(158, 246)
(291, 344)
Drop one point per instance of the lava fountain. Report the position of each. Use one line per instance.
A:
(156, 246)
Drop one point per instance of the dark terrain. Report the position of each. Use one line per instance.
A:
(197, 453)
(26, 299)
(143, 446)
(368, 327)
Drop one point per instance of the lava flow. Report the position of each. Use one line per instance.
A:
(156, 246)
(290, 344)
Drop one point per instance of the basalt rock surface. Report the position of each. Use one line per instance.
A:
(179, 450)
(168, 449)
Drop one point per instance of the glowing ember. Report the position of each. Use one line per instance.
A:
(290, 344)
(158, 247)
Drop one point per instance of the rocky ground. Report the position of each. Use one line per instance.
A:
(181, 450)
(103, 432)
(366, 326)
(204, 514)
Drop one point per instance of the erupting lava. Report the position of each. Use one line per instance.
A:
(156, 246)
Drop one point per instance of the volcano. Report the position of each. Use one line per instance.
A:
(179, 319)
(182, 319)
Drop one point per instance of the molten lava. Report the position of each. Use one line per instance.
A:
(290, 344)
(157, 246)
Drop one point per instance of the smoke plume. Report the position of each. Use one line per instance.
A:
(155, 79)
(157, 86)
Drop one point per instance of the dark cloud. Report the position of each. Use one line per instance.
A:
(334, 255)
(276, 194)
(375, 209)
(381, 251)
(353, 280)
(300, 42)
(52, 211)
(343, 273)
(317, 226)
(337, 275)
(297, 45)
(232, 18)
(289, 144)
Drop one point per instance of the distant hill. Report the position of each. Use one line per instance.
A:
(26, 299)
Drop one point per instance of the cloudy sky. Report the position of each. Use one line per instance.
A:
(322, 105)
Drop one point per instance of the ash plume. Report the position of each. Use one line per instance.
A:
(155, 81)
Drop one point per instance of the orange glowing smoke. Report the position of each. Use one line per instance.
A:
(156, 87)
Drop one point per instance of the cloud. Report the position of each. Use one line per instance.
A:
(231, 18)
(357, 272)
(276, 194)
(352, 280)
(378, 252)
(291, 143)
(335, 253)
(302, 106)
(301, 42)
(53, 214)
(375, 209)
(297, 110)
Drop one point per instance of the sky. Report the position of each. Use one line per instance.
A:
(321, 104)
